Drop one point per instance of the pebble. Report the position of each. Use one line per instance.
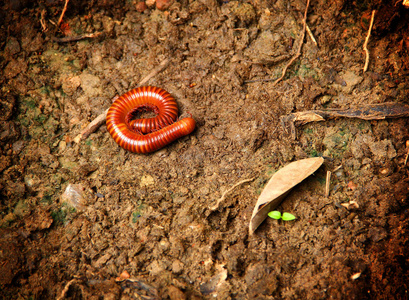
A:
(150, 3)
(141, 6)
(74, 195)
(177, 266)
(163, 4)
(146, 180)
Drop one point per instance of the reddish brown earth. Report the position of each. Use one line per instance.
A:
(75, 216)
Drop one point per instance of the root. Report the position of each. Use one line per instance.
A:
(367, 40)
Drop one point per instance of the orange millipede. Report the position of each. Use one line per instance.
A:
(146, 135)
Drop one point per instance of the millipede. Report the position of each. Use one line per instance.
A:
(150, 134)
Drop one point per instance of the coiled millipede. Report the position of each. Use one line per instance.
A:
(151, 134)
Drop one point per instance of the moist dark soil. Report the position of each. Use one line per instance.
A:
(89, 220)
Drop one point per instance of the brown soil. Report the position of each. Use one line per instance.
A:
(74, 217)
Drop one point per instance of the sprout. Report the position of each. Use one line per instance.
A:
(287, 217)
(277, 215)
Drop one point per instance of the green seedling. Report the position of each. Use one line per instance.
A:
(275, 214)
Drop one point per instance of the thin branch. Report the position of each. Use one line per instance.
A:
(311, 35)
(216, 206)
(327, 184)
(299, 47)
(259, 80)
(76, 38)
(66, 288)
(155, 71)
(63, 12)
(92, 127)
(367, 40)
(42, 20)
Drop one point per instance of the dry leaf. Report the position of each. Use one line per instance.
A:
(280, 185)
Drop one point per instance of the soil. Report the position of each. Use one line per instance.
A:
(90, 220)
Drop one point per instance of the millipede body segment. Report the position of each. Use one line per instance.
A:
(151, 134)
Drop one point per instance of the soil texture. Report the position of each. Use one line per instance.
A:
(89, 220)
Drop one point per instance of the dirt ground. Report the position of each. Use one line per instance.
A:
(90, 220)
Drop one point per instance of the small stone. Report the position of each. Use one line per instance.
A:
(164, 244)
(177, 266)
(163, 4)
(146, 180)
(150, 3)
(74, 195)
(62, 145)
(141, 6)
(385, 171)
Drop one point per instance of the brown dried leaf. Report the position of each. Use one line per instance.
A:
(280, 185)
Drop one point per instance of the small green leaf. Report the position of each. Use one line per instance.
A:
(288, 217)
(275, 214)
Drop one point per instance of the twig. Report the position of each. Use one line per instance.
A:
(259, 80)
(98, 121)
(311, 35)
(63, 12)
(216, 206)
(407, 154)
(327, 183)
(66, 288)
(155, 71)
(381, 111)
(367, 40)
(42, 20)
(92, 127)
(76, 38)
(299, 47)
